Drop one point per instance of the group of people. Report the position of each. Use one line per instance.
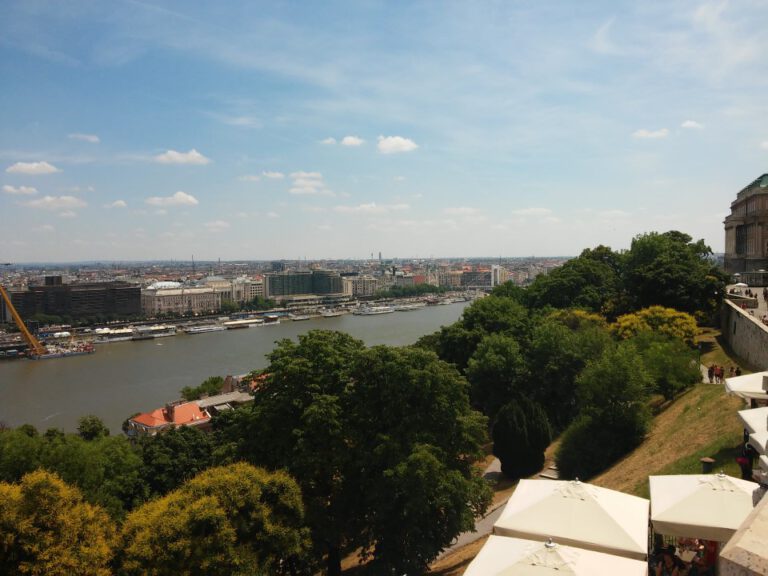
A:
(716, 374)
(691, 557)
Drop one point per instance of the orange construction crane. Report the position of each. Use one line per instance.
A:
(34, 344)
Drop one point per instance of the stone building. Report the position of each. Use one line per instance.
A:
(746, 229)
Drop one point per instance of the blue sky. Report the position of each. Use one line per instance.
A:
(261, 130)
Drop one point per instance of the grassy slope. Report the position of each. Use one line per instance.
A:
(701, 422)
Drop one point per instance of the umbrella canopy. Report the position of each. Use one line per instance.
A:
(502, 556)
(710, 507)
(577, 514)
(763, 462)
(740, 285)
(759, 440)
(746, 553)
(755, 420)
(749, 386)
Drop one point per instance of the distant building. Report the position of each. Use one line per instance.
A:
(746, 229)
(159, 300)
(79, 301)
(284, 284)
(477, 279)
(357, 286)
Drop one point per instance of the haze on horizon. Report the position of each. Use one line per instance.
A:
(145, 130)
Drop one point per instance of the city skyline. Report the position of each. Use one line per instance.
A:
(151, 131)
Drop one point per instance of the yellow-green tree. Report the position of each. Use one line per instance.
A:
(229, 520)
(46, 529)
(667, 321)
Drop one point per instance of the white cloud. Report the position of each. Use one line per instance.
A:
(396, 144)
(44, 228)
(371, 208)
(273, 215)
(601, 41)
(309, 184)
(174, 157)
(273, 175)
(32, 168)
(56, 203)
(249, 178)
(19, 190)
(330, 141)
(242, 121)
(177, 199)
(68, 214)
(692, 124)
(352, 141)
(217, 225)
(764, 145)
(399, 178)
(92, 138)
(532, 212)
(650, 134)
(462, 211)
(118, 204)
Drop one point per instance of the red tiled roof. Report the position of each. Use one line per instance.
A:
(182, 414)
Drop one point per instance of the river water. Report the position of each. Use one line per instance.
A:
(123, 378)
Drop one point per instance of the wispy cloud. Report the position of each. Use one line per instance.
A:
(174, 157)
(531, 212)
(352, 141)
(462, 211)
(273, 175)
(764, 145)
(601, 41)
(91, 138)
(309, 184)
(691, 125)
(32, 168)
(249, 178)
(644, 134)
(328, 141)
(117, 204)
(371, 208)
(67, 214)
(56, 203)
(217, 225)
(242, 121)
(19, 190)
(178, 199)
(396, 144)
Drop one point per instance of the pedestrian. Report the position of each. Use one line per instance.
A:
(711, 372)
(738, 371)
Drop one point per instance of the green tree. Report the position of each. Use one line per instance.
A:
(415, 440)
(497, 373)
(671, 364)
(520, 436)
(613, 413)
(91, 427)
(297, 423)
(231, 520)
(671, 270)
(46, 529)
(209, 387)
(562, 344)
(171, 458)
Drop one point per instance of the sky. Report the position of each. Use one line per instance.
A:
(149, 130)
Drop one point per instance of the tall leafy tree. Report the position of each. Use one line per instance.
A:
(231, 520)
(497, 373)
(520, 436)
(671, 270)
(46, 529)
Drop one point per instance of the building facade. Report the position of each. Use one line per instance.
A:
(284, 284)
(86, 301)
(156, 301)
(746, 229)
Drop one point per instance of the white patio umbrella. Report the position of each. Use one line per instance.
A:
(710, 507)
(749, 386)
(755, 420)
(577, 514)
(746, 553)
(502, 556)
(740, 285)
(759, 440)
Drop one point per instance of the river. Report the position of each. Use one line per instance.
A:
(123, 378)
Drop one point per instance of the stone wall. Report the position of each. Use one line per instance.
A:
(746, 335)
